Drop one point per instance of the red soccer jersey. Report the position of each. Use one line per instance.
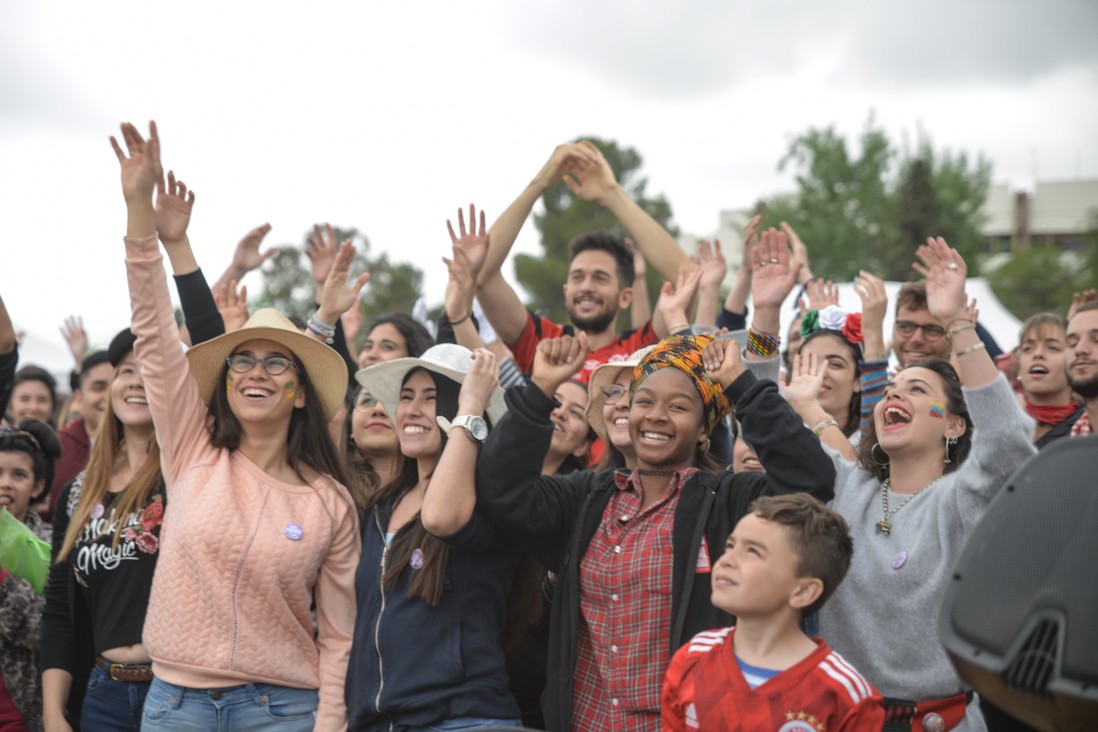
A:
(538, 328)
(706, 690)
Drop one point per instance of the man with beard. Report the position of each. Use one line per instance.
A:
(600, 271)
(1082, 341)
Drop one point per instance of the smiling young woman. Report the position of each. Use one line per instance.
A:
(258, 517)
(920, 484)
(632, 548)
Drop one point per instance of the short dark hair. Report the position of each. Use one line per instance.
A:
(819, 536)
(612, 244)
(417, 338)
(97, 358)
(911, 296)
(1085, 307)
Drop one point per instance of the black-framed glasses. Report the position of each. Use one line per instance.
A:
(365, 401)
(931, 331)
(612, 393)
(242, 363)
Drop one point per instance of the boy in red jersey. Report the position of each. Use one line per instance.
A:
(781, 563)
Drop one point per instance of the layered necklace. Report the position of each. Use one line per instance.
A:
(884, 526)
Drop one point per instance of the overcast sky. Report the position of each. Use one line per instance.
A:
(389, 116)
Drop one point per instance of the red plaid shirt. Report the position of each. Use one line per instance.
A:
(623, 644)
(1082, 426)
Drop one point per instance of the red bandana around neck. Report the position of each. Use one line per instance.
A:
(1051, 415)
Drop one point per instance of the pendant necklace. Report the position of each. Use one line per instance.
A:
(884, 526)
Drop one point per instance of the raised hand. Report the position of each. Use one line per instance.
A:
(750, 242)
(480, 381)
(321, 250)
(173, 210)
(1079, 299)
(557, 359)
(247, 255)
(461, 288)
(232, 304)
(806, 380)
(474, 242)
(713, 264)
(74, 334)
(773, 274)
(339, 294)
(141, 169)
(722, 361)
(559, 162)
(821, 293)
(590, 177)
(945, 273)
(800, 253)
(675, 298)
(871, 291)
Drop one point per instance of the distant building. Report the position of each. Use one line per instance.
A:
(1055, 214)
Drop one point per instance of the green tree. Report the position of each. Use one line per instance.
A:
(288, 282)
(870, 207)
(566, 216)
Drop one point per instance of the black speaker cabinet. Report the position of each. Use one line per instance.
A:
(1020, 616)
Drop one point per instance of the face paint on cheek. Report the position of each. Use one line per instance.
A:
(289, 389)
(228, 382)
(937, 409)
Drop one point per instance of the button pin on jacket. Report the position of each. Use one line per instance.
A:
(417, 559)
(97, 511)
(899, 560)
(293, 532)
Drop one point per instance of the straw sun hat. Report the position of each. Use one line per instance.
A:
(605, 375)
(326, 370)
(383, 380)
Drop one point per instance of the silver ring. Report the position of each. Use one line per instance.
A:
(763, 264)
(952, 265)
(773, 261)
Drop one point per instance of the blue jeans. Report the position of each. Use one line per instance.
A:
(246, 708)
(112, 705)
(474, 723)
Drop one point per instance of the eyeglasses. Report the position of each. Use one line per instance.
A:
(242, 363)
(931, 332)
(365, 402)
(611, 394)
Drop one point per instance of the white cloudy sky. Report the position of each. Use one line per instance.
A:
(389, 116)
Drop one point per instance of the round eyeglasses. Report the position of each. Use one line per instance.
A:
(365, 402)
(611, 394)
(242, 363)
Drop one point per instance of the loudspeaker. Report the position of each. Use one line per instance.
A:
(1020, 617)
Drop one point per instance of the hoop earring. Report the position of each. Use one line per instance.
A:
(873, 456)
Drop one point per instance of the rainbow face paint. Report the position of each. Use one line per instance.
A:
(937, 409)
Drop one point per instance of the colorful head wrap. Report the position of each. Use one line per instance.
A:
(685, 353)
(833, 317)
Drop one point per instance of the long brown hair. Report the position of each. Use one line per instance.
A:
(107, 450)
(363, 476)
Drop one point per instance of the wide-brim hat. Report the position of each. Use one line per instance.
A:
(604, 375)
(325, 369)
(383, 380)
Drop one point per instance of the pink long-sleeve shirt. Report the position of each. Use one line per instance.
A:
(233, 587)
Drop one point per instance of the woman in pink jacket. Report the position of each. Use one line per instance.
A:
(258, 523)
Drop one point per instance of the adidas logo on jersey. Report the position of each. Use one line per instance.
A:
(692, 717)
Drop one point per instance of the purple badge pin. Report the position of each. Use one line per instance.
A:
(417, 559)
(934, 722)
(899, 560)
(97, 511)
(293, 532)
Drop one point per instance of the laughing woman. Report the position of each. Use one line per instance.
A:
(632, 548)
(258, 522)
(922, 482)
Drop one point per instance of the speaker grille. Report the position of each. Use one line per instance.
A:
(1031, 669)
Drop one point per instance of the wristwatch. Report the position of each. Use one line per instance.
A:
(473, 425)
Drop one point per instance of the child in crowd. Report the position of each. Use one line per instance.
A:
(781, 563)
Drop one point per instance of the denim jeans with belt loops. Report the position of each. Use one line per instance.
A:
(238, 708)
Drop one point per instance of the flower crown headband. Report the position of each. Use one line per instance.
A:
(834, 317)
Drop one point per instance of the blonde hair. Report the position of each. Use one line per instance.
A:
(108, 449)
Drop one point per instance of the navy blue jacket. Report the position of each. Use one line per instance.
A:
(413, 665)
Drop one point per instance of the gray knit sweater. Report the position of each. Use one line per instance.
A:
(883, 617)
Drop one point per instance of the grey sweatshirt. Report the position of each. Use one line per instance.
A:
(883, 617)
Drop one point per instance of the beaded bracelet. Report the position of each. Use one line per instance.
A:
(321, 325)
(974, 347)
(762, 344)
(829, 422)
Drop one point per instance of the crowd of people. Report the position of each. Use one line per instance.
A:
(496, 521)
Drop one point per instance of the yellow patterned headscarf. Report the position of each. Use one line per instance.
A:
(685, 353)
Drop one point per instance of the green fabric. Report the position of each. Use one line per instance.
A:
(22, 553)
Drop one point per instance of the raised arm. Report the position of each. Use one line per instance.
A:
(451, 495)
(591, 179)
(774, 274)
(803, 394)
(468, 248)
(674, 301)
(714, 268)
(640, 307)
